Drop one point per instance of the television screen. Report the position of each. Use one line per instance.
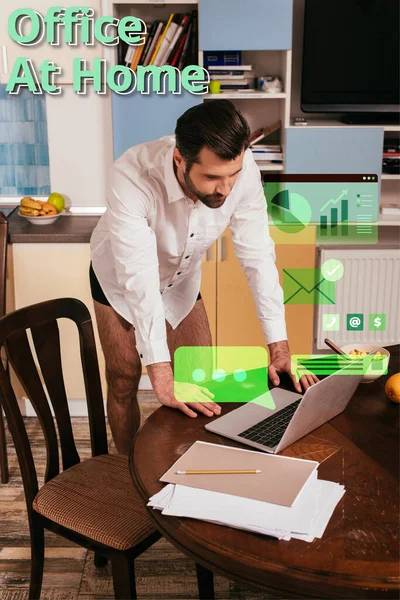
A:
(351, 56)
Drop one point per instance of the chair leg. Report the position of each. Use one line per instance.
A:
(100, 561)
(3, 450)
(205, 582)
(37, 561)
(123, 574)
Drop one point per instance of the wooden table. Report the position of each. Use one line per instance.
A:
(358, 555)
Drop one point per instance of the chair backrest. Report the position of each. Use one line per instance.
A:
(3, 262)
(41, 320)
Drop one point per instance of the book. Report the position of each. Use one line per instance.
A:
(167, 41)
(136, 57)
(155, 39)
(270, 147)
(176, 42)
(129, 55)
(232, 68)
(260, 155)
(184, 20)
(178, 52)
(261, 133)
(222, 58)
(193, 56)
(161, 38)
(235, 86)
(185, 50)
(226, 78)
(390, 209)
(149, 40)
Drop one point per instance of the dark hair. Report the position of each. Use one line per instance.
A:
(217, 124)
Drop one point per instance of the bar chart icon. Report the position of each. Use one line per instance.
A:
(337, 223)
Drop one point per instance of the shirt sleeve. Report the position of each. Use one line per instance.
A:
(134, 249)
(256, 253)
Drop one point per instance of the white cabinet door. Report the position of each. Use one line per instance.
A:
(62, 55)
(46, 271)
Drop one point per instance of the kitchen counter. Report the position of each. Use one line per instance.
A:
(67, 229)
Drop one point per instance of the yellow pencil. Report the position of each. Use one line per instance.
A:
(218, 472)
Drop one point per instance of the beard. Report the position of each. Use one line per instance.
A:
(210, 200)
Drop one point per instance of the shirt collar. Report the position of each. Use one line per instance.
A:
(172, 185)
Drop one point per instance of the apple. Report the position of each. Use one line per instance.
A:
(57, 200)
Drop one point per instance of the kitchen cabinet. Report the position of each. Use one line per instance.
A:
(62, 55)
(238, 25)
(57, 270)
(42, 271)
(332, 150)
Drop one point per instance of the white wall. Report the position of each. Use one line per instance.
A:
(80, 145)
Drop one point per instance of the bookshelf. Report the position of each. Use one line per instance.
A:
(244, 96)
(259, 108)
(138, 119)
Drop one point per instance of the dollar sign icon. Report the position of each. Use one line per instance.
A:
(377, 322)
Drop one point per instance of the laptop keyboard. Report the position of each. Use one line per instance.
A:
(270, 430)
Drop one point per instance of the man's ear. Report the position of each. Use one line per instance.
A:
(178, 158)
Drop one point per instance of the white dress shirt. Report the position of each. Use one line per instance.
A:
(146, 249)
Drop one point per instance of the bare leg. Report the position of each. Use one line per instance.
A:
(123, 371)
(194, 330)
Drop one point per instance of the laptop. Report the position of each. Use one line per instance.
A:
(294, 416)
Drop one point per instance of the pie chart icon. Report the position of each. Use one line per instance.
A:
(290, 212)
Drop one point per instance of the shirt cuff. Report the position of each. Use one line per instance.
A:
(274, 331)
(153, 352)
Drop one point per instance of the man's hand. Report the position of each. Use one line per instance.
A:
(199, 398)
(280, 362)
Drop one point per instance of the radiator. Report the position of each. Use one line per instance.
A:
(370, 285)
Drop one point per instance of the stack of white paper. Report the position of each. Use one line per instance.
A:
(305, 520)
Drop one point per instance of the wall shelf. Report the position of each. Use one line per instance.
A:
(244, 96)
(156, 2)
(394, 176)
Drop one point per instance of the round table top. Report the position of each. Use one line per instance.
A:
(358, 555)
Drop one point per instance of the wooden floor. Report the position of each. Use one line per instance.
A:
(162, 572)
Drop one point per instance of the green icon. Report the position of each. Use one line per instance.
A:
(332, 269)
(377, 322)
(355, 322)
(290, 212)
(307, 286)
(229, 373)
(328, 364)
(330, 322)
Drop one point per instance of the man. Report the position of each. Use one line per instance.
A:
(168, 201)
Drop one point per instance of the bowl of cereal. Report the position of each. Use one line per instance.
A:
(379, 359)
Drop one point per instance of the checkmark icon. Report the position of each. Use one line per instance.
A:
(332, 269)
(330, 273)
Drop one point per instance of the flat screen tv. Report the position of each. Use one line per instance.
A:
(351, 56)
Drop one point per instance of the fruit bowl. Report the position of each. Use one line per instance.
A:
(42, 220)
(370, 374)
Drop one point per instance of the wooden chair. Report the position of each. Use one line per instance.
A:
(93, 503)
(3, 267)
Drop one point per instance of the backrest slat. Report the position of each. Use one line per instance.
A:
(94, 394)
(46, 339)
(17, 427)
(21, 359)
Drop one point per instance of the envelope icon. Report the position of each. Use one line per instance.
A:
(307, 286)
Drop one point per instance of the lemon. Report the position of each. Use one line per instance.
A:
(57, 200)
(392, 388)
